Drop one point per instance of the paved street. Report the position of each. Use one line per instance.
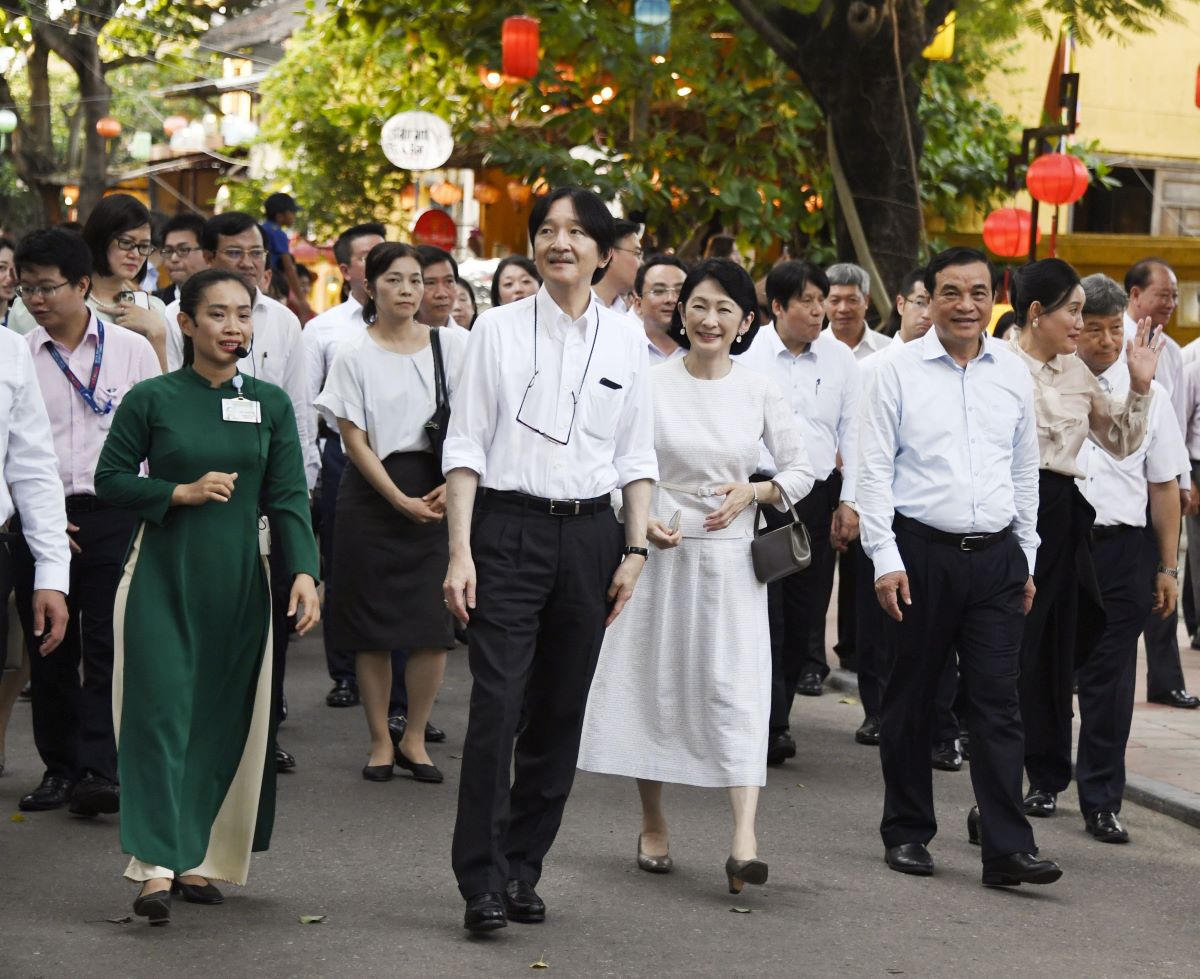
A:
(375, 860)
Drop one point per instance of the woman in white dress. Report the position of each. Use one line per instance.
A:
(682, 692)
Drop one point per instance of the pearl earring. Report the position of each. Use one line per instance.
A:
(1035, 322)
(738, 338)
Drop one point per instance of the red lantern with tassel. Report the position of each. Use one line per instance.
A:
(1006, 232)
(1057, 178)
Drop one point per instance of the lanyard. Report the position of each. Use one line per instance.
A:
(87, 393)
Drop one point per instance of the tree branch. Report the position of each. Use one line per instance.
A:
(769, 29)
(122, 61)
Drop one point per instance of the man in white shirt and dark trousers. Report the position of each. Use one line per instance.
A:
(948, 492)
(656, 289)
(440, 274)
(819, 377)
(1135, 579)
(553, 414)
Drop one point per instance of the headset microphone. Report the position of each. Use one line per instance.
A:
(241, 352)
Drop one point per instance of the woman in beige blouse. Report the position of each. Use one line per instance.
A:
(1067, 613)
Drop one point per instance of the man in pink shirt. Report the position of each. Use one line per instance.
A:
(84, 368)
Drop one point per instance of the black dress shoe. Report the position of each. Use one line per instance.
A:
(1106, 827)
(434, 735)
(810, 685)
(522, 904)
(378, 773)
(946, 757)
(1176, 698)
(1039, 802)
(285, 761)
(343, 694)
(910, 858)
(93, 794)
(964, 745)
(1019, 868)
(197, 893)
(780, 748)
(156, 907)
(974, 833)
(485, 912)
(868, 731)
(398, 724)
(53, 793)
(422, 773)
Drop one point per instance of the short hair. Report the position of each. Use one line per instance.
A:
(849, 274)
(1102, 296)
(278, 204)
(623, 228)
(228, 225)
(429, 255)
(191, 294)
(892, 326)
(379, 260)
(1139, 275)
(114, 216)
(186, 222)
(789, 279)
(591, 213)
(639, 280)
(1048, 282)
(521, 262)
(720, 246)
(460, 281)
(345, 241)
(56, 249)
(949, 257)
(731, 277)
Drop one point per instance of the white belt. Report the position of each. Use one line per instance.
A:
(690, 490)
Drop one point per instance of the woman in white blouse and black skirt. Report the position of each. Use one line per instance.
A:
(391, 550)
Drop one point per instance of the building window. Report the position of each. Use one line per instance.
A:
(1127, 209)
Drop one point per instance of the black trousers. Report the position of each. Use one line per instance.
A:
(797, 604)
(846, 646)
(72, 707)
(1164, 671)
(536, 632)
(972, 602)
(1125, 568)
(10, 659)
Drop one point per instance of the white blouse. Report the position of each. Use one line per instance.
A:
(389, 395)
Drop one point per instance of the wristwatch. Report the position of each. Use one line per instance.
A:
(640, 551)
(1173, 572)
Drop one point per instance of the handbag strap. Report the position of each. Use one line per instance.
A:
(759, 516)
(439, 368)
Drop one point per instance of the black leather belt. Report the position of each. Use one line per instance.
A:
(964, 542)
(1107, 531)
(553, 508)
(84, 503)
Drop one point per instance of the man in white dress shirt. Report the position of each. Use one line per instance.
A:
(846, 306)
(656, 290)
(1135, 579)
(182, 253)
(440, 274)
(820, 378)
(948, 492)
(552, 414)
(621, 275)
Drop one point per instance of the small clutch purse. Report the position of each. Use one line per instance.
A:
(780, 552)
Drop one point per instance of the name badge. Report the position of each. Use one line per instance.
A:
(240, 410)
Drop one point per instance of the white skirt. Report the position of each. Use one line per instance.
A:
(682, 692)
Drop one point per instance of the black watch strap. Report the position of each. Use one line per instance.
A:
(641, 551)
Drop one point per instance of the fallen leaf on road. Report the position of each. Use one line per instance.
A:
(16, 817)
(737, 910)
(541, 963)
(119, 921)
(849, 700)
(799, 785)
(311, 919)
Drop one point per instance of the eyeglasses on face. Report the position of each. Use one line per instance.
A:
(127, 244)
(183, 251)
(45, 292)
(237, 254)
(919, 301)
(662, 292)
(635, 252)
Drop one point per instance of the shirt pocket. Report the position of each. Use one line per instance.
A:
(601, 408)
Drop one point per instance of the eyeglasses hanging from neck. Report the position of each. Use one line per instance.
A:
(575, 395)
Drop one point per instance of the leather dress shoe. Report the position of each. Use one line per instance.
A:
(946, 757)
(285, 761)
(522, 904)
(398, 724)
(974, 833)
(434, 735)
(485, 912)
(964, 745)
(811, 685)
(1106, 827)
(343, 694)
(780, 748)
(197, 893)
(92, 795)
(868, 730)
(422, 773)
(1039, 802)
(910, 858)
(53, 793)
(1176, 698)
(1019, 868)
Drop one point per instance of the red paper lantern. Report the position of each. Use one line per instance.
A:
(1006, 232)
(1057, 178)
(108, 127)
(519, 46)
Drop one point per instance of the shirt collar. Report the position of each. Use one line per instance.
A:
(1114, 377)
(42, 338)
(775, 342)
(1055, 364)
(552, 318)
(931, 348)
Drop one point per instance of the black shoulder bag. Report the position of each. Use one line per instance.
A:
(439, 421)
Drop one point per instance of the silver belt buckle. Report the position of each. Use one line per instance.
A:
(564, 508)
(968, 539)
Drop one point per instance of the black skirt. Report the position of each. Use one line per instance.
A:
(389, 570)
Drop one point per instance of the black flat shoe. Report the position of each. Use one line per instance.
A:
(422, 773)
(810, 685)
(93, 795)
(1040, 803)
(343, 694)
(522, 904)
(485, 912)
(1105, 827)
(53, 793)
(285, 761)
(974, 835)
(197, 893)
(156, 907)
(378, 773)
(780, 748)
(946, 757)
(868, 731)
(1176, 698)
(1019, 868)
(910, 858)
(739, 872)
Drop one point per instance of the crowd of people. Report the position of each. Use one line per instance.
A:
(574, 483)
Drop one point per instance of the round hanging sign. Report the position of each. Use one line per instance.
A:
(417, 140)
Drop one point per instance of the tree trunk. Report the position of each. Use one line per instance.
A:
(95, 97)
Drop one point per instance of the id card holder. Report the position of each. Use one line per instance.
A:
(240, 410)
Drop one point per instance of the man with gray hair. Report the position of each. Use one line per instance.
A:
(846, 308)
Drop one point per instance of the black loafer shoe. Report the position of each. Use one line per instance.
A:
(780, 748)
(810, 685)
(197, 893)
(343, 694)
(946, 757)
(422, 773)
(285, 761)
(1106, 827)
(485, 912)
(868, 731)
(53, 793)
(522, 904)
(434, 735)
(910, 858)
(92, 795)
(1176, 698)
(156, 907)
(378, 773)
(1041, 803)
(1019, 868)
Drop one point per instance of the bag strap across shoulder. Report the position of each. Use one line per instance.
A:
(439, 367)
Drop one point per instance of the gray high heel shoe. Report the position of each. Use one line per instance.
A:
(653, 865)
(742, 872)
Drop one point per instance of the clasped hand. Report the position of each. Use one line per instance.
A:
(427, 509)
